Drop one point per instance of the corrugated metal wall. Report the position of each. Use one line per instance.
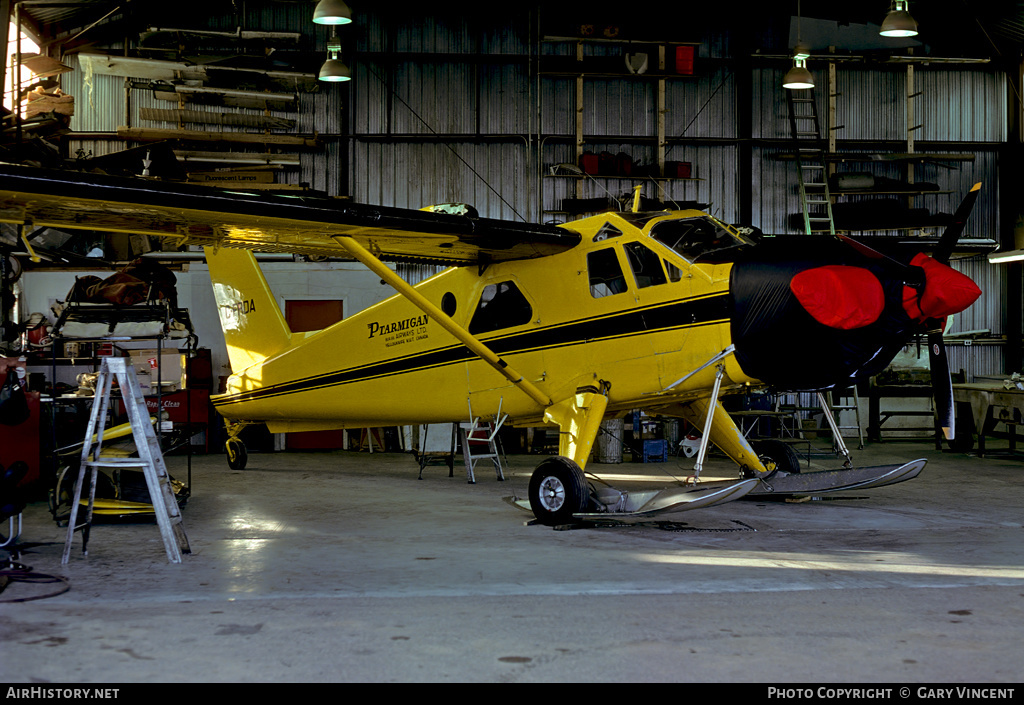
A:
(453, 109)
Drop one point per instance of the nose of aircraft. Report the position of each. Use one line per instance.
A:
(830, 315)
(945, 291)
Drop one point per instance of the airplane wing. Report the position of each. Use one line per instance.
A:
(198, 215)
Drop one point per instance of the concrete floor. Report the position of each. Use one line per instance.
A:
(343, 567)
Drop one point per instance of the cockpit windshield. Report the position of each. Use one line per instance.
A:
(702, 238)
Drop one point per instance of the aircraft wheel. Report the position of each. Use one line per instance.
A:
(237, 454)
(558, 490)
(777, 455)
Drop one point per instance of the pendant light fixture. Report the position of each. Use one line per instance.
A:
(334, 69)
(332, 12)
(899, 23)
(799, 77)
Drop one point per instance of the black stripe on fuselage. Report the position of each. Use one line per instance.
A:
(684, 313)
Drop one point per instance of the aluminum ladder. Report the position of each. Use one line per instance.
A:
(151, 460)
(484, 436)
(815, 199)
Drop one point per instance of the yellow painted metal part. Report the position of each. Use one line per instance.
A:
(253, 324)
(579, 420)
(445, 321)
(724, 433)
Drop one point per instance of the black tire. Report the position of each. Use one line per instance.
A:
(238, 456)
(776, 455)
(558, 490)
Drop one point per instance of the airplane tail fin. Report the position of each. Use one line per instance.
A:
(254, 327)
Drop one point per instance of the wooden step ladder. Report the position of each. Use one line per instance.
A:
(151, 460)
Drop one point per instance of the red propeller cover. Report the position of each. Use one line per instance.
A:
(840, 296)
(946, 291)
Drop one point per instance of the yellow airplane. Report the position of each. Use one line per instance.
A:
(566, 325)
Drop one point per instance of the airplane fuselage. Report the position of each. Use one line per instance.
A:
(598, 313)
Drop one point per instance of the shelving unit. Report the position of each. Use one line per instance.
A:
(117, 325)
(581, 67)
(909, 158)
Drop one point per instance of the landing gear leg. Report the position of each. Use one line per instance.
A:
(558, 487)
(837, 437)
(699, 465)
(238, 456)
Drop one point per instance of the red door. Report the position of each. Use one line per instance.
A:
(306, 315)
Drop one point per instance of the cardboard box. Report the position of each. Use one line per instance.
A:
(168, 368)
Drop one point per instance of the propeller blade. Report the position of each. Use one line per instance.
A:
(949, 238)
(912, 276)
(942, 383)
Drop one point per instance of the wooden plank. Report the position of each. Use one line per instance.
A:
(262, 122)
(172, 36)
(43, 66)
(221, 97)
(282, 160)
(146, 134)
(160, 70)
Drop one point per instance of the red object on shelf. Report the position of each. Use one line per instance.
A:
(678, 170)
(684, 60)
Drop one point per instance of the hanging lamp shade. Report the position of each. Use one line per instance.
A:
(899, 23)
(798, 77)
(332, 12)
(335, 70)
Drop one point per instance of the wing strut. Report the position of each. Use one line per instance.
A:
(443, 319)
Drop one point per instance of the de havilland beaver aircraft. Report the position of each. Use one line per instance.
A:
(564, 325)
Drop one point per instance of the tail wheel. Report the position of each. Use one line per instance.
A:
(558, 490)
(777, 456)
(238, 456)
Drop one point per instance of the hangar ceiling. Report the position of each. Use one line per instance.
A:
(993, 29)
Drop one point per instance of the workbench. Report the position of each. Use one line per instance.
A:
(877, 416)
(989, 404)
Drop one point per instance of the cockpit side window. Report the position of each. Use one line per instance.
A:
(699, 238)
(501, 306)
(605, 273)
(646, 265)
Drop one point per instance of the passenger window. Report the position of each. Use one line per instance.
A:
(501, 306)
(674, 273)
(646, 265)
(605, 273)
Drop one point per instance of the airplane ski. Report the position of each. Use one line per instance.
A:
(826, 481)
(621, 505)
